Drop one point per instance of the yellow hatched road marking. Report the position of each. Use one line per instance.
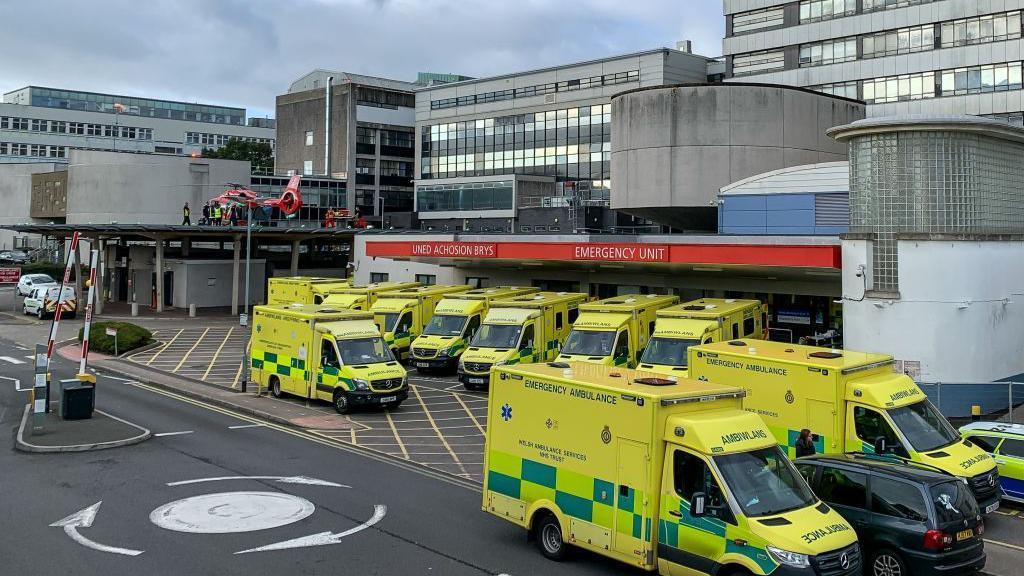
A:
(190, 350)
(234, 383)
(164, 347)
(416, 391)
(405, 453)
(217, 353)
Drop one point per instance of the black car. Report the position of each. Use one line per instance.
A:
(905, 515)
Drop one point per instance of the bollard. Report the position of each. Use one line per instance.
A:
(191, 310)
(975, 413)
(135, 309)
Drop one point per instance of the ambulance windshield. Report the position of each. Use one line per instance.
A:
(923, 427)
(764, 482)
(445, 325)
(668, 351)
(497, 336)
(589, 342)
(364, 351)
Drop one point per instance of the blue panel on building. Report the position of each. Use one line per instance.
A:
(785, 214)
(776, 218)
(746, 202)
(790, 202)
(745, 218)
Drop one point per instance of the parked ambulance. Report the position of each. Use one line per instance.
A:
(521, 329)
(402, 314)
(850, 401)
(325, 353)
(363, 297)
(667, 476)
(614, 331)
(456, 320)
(302, 289)
(700, 322)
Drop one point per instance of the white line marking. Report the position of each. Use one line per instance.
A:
(30, 357)
(323, 538)
(173, 433)
(283, 479)
(12, 360)
(246, 426)
(83, 519)
(17, 384)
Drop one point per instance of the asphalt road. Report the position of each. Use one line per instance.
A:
(431, 525)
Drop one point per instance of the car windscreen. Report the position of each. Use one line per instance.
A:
(497, 336)
(445, 325)
(923, 426)
(589, 342)
(764, 482)
(364, 351)
(953, 502)
(668, 351)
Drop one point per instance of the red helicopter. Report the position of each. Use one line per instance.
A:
(289, 202)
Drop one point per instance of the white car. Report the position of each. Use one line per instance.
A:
(30, 281)
(42, 301)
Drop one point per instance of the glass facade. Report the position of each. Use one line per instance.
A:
(91, 102)
(537, 90)
(953, 82)
(465, 196)
(74, 128)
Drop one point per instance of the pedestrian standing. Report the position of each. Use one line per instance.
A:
(206, 214)
(233, 211)
(805, 444)
(216, 214)
(186, 214)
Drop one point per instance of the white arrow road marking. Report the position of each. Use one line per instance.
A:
(83, 519)
(11, 360)
(323, 538)
(283, 479)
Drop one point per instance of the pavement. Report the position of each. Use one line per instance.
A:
(101, 432)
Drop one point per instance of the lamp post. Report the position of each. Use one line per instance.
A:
(382, 210)
(248, 250)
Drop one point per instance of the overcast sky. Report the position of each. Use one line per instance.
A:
(244, 52)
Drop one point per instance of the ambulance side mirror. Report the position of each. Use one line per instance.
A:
(698, 504)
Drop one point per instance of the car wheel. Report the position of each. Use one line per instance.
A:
(548, 535)
(887, 563)
(275, 387)
(341, 403)
(39, 313)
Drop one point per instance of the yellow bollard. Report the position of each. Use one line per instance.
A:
(975, 412)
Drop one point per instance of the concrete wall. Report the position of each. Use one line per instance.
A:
(207, 283)
(15, 197)
(674, 148)
(954, 315)
(106, 187)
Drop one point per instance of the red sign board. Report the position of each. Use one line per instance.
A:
(621, 252)
(10, 275)
(455, 249)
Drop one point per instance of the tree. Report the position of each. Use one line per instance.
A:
(259, 154)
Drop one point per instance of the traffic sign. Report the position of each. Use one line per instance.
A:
(111, 331)
(10, 275)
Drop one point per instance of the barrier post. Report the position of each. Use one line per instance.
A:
(40, 389)
(88, 312)
(58, 308)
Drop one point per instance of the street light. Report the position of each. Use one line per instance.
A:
(382, 210)
(248, 249)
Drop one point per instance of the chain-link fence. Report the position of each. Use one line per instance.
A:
(964, 401)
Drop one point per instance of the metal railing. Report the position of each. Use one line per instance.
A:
(996, 401)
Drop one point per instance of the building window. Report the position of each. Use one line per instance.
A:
(991, 28)
(378, 276)
(875, 5)
(476, 281)
(901, 41)
(396, 168)
(309, 137)
(426, 279)
(844, 89)
(757, 19)
(537, 90)
(756, 62)
(307, 167)
(366, 135)
(366, 166)
(828, 52)
(978, 79)
(396, 138)
(814, 10)
(465, 196)
(900, 88)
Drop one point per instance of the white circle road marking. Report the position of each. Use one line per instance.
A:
(228, 512)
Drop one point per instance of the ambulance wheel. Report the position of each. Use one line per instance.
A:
(548, 534)
(341, 403)
(275, 387)
(885, 562)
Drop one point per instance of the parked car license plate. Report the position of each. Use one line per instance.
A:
(476, 380)
(964, 535)
(386, 399)
(992, 508)
(422, 364)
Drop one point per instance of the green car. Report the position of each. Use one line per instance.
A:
(1005, 442)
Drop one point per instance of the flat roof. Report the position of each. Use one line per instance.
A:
(172, 231)
(125, 97)
(928, 123)
(621, 380)
(796, 353)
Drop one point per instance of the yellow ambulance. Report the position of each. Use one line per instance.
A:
(324, 353)
(302, 289)
(667, 476)
(614, 331)
(525, 328)
(456, 319)
(402, 314)
(850, 401)
(363, 297)
(700, 322)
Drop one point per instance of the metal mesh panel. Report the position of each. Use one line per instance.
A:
(943, 181)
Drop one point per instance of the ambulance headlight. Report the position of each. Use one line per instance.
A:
(789, 558)
(443, 352)
(501, 362)
(361, 384)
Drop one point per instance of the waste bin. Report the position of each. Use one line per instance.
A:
(77, 399)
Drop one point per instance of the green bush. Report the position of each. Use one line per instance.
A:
(129, 337)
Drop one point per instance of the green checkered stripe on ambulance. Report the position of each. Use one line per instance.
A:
(577, 495)
(330, 378)
(278, 364)
(676, 531)
(531, 355)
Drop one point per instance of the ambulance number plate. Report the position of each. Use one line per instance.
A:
(422, 364)
(387, 399)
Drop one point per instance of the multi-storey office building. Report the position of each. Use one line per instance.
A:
(361, 130)
(507, 152)
(46, 123)
(899, 56)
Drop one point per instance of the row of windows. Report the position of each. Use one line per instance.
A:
(991, 28)
(396, 138)
(75, 128)
(557, 156)
(33, 150)
(828, 52)
(110, 104)
(539, 89)
(468, 196)
(381, 98)
(564, 118)
(755, 62)
(952, 82)
(395, 168)
(814, 10)
(758, 19)
(222, 139)
(901, 41)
